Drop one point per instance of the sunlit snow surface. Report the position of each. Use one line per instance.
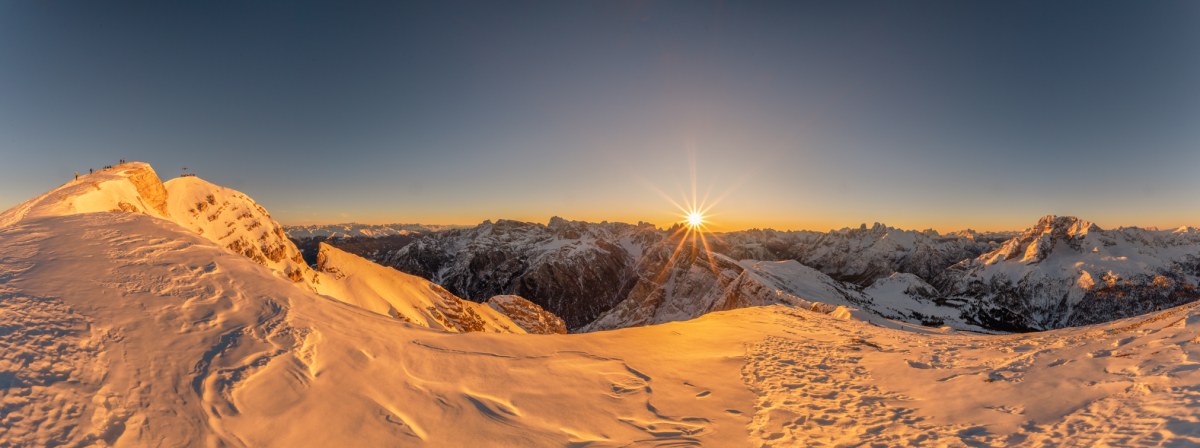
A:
(121, 328)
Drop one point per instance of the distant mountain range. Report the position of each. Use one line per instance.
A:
(351, 230)
(1061, 272)
(135, 312)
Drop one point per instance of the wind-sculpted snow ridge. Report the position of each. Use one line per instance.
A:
(233, 220)
(130, 187)
(124, 328)
(389, 292)
(1066, 272)
(130, 330)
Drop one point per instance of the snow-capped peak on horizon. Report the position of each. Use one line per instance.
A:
(354, 229)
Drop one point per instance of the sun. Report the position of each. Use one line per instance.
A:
(695, 219)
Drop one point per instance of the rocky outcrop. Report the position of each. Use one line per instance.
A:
(150, 189)
(528, 315)
(234, 221)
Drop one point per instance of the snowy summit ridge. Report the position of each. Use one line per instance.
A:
(123, 325)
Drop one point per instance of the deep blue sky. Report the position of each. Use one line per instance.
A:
(807, 115)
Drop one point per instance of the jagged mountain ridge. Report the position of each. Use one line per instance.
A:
(573, 269)
(126, 328)
(353, 229)
(1065, 271)
(919, 277)
(232, 220)
(859, 255)
(580, 270)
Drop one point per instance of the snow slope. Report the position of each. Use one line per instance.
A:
(176, 341)
(127, 330)
(233, 220)
(389, 292)
(131, 187)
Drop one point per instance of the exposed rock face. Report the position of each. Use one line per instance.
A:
(575, 270)
(528, 315)
(1065, 272)
(150, 188)
(234, 221)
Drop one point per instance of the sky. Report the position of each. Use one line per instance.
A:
(796, 115)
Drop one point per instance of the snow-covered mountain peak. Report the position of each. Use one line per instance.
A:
(1037, 242)
(1064, 225)
(130, 187)
(1067, 271)
(234, 221)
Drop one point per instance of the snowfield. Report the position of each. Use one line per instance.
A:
(127, 328)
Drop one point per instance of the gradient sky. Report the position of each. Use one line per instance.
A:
(818, 115)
